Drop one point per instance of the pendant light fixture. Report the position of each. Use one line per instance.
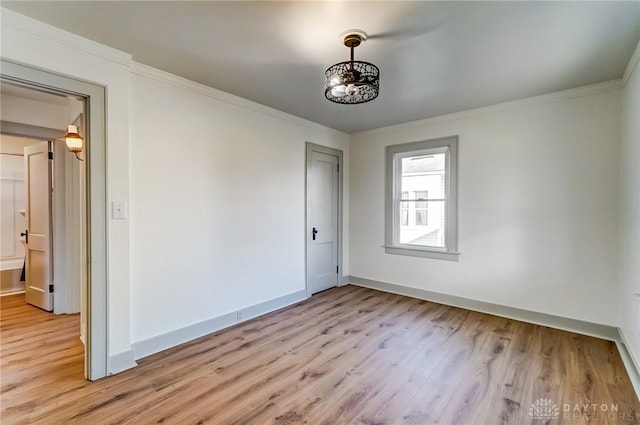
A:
(73, 140)
(352, 82)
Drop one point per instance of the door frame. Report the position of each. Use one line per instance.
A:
(312, 147)
(96, 343)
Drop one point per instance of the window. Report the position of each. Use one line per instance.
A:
(421, 199)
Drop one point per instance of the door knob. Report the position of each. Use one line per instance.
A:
(314, 232)
(26, 236)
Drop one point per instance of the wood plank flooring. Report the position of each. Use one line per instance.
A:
(347, 356)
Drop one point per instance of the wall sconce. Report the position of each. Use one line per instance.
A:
(73, 140)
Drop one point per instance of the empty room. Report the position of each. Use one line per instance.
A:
(320, 212)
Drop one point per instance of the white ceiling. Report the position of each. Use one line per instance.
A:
(434, 57)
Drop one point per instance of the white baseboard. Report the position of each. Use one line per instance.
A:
(11, 293)
(120, 362)
(572, 325)
(629, 360)
(170, 339)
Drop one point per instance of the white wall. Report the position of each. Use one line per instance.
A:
(630, 208)
(538, 205)
(218, 202)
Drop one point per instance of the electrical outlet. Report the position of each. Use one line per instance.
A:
(239, 318)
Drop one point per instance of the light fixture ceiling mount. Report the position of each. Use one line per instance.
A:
(352, 82)
(353, 38)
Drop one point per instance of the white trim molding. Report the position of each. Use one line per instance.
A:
(11, 264)
(633, 62)
(176, 337)
(120, 362)
(633, 368)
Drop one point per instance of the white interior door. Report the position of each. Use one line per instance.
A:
(322, 222)
(38, 276)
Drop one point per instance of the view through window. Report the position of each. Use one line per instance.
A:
(423, 200)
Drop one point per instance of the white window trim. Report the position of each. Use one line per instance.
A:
(393, 179)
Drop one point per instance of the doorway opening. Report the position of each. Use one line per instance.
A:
(323, 218)
(43, 225)
(79, 194)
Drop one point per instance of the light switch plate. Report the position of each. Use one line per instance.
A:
(118, 210)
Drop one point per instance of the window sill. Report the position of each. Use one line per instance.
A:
(424, 253)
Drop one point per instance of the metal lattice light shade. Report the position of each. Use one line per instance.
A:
(352, 82)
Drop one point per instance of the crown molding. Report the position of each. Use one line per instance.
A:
(184, 83)
(633, 62)
(40, 29)
(553, 97)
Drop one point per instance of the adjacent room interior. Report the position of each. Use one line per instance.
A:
(348, 213)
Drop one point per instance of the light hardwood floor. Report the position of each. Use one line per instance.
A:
(347, 356)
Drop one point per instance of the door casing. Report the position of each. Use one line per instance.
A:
(96, 344)
(312, 147)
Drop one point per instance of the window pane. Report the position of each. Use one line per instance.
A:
(421, 194)
(424, 227)
(405, 217)
(405, 195)
(423, 173)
